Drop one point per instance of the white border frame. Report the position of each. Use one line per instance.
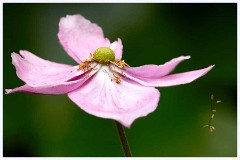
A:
(110, 1)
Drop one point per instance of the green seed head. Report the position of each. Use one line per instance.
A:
(104, 55)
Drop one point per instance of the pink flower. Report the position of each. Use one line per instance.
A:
(103, 84)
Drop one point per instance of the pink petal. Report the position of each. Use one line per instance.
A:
(36, 71)
(123, 102)
(48, 89)
(79, 37)
(170, 80)
(57, 88)
(156, 71)
(39, 61)
(117, 47)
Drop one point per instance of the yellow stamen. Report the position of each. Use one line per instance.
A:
(105, 56)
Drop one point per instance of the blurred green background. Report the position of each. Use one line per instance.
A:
(44, 125)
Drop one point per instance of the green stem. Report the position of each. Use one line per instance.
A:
(123, 139)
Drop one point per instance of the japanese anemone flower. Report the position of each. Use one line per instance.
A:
(102, 84)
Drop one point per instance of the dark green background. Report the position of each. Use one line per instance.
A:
(43, 125)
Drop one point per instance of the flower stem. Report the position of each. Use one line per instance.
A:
(123, 139)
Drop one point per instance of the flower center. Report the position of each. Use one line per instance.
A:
(104, 55)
